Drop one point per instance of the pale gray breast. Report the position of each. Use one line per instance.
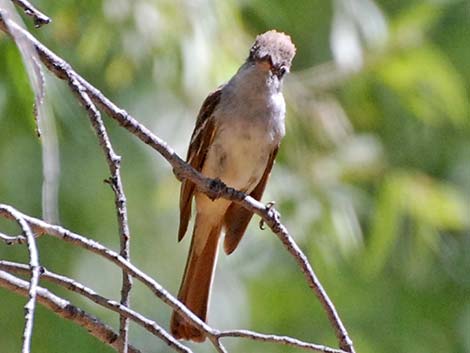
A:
(252, 107)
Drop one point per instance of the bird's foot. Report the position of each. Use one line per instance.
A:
(272, 213)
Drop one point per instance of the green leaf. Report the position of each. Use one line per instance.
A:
(427, 85)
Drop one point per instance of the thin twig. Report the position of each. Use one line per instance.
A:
(114, 165)
(213, 188)
(9, 240)
(30, 306)
(66, 310)
(38, 17)
(284, 340)
(345, 343)
(123, 310)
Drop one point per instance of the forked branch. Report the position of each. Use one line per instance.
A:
(66, 310)
(38, 17)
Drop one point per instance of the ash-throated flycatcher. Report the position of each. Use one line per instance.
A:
(236, 138)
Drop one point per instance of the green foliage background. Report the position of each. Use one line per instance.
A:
(373, 178)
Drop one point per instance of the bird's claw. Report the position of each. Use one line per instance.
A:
(272, 212)
(216, 187)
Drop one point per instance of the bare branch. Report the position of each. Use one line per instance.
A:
(153, 327)
(284, 340)
(114, 165)
(124, 311)
(97, 248)
(38, 17)
(30, 306)
(9, 240)
(345, 343)
(66, 310)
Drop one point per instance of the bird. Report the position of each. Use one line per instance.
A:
(236, 139)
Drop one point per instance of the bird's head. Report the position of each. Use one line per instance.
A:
(273, 51)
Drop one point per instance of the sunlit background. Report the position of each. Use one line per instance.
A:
(372, 179)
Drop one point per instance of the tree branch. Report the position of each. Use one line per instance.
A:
(150, 325)
(284, 340)
(38, 17)
(9, 240)
(114, 165)
(59, 232)
(122, 310)
(66, 310)
(30, 306)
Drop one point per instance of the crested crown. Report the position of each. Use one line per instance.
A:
(277, 45)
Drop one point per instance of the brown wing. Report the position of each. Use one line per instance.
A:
(201, 139)
(237, 218)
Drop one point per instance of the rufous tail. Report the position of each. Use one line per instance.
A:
(196, 284)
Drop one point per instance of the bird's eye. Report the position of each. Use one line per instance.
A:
(281, 71)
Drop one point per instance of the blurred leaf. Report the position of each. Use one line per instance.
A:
(432, 202)
(94, 44)
(119, 73)
(427, 84)
(428, 203)
(385, 224)
(415, 20)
